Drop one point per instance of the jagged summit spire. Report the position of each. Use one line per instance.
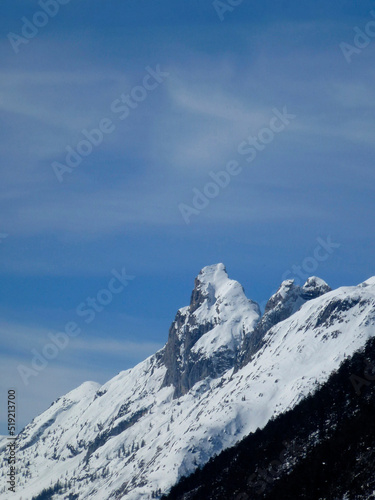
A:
(212, 287)
(207, 284)
(281, 305)
(315, 281)
(314, 287)
(206, 335)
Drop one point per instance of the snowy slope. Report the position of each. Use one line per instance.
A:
(131, 436)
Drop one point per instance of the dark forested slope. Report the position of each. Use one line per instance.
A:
(322, 449)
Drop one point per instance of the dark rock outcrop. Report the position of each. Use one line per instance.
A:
(285, 302)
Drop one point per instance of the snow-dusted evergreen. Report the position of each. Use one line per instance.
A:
(223, 373)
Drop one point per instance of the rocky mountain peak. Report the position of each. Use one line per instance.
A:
(290, 296)
(314, 287)
(281, 305)
(215, 274)
(286, 292)
(207, 285)
(205, 337)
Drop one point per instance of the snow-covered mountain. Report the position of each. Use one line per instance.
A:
(223, 373)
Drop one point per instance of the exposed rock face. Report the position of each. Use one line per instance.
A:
(314, 287)
(222, 329)
(285, 302)
(205, 337)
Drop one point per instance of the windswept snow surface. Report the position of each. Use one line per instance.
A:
(130, 437)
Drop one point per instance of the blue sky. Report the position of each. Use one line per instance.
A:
(119, 208)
